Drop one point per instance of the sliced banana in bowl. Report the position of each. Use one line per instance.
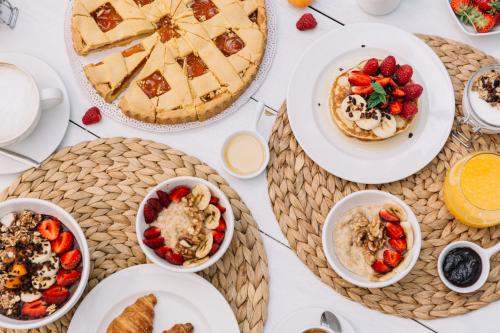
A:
(212, 217)
(201, 196)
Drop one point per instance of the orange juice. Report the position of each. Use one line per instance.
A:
(472, 190)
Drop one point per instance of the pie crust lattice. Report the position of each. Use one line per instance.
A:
(207, 52)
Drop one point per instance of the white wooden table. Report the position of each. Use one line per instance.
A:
(39, 32)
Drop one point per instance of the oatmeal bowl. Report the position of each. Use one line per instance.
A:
(371, 239)
(44, 263)
(185, 224)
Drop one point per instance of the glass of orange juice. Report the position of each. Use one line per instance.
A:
(472, 189)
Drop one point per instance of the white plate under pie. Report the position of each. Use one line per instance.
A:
(113, 111)
(181, 298)
(303, 319)
(53, 124)
(351, 159)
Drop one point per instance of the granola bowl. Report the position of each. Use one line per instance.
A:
(185, 224)
(371, 239)
(44, 291)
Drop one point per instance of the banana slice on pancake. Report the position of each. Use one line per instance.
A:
(387, 127)
(369, 119)
(352, 107)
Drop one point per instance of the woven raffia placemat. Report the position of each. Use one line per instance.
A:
(102, 182)
(302, 194)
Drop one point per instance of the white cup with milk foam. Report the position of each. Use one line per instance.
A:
(21, 103)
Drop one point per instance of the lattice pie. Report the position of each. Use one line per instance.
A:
(198, 56)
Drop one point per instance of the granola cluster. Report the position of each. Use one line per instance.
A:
(368, 234)
(488, 88)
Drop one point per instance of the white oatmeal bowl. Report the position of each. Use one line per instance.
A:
(371, 239)
(185, 224)
(10, 215)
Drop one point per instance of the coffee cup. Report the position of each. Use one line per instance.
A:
(378, 7)
(22, 103)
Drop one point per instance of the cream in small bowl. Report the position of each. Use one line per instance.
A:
(371, 239)
(245, 154)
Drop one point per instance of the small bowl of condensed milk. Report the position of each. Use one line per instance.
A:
(245, 154)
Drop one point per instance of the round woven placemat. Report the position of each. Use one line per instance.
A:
(102, 182)
(302, 194)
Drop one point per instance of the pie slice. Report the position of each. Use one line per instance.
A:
(181, 328)
(136, 318)
(99, 24)
(111, 76)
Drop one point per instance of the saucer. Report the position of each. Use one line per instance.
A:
(50, 131)
(303, 319)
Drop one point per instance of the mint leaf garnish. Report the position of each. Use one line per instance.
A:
(377, 96)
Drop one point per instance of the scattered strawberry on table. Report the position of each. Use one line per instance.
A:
(306, 22)
(483, 15)
(92, 116)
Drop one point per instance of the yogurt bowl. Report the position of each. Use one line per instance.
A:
(68, 224)
(368, 203)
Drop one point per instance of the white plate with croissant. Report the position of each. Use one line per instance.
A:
(149, 299)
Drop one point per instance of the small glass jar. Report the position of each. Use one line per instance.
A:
(475, 110)
(471, 189)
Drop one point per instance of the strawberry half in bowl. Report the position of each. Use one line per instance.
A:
(185, 224)
(44, 263)
(371, 239)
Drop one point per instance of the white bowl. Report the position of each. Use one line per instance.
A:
(168, 185)
(362, 198)
(468, 28)
(48, 208)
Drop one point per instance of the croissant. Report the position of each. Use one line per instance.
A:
(181, 328)
(136, 318)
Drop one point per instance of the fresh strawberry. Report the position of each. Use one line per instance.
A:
(459, 5)
(388, 66)
(174, 258)
(62, 243)
(150, 214)
(396, 107)
(394, 231)
(152, 232)
(156, 204)
(410, 109)
(485, 23)
(398, 92)
(178, 193)
(49, 228)
(398, 244)
(413, 91)
(71, 259)
(55, 295)
(383, 81)
(379, 267)
(403, 74)
(386, 216)
(362, 90)
(161, 251)
(154, 243)
(215, 248)
(218, 236)
(371, 67)
(222, 225)
(164, 199)
(92, 116)
(357, 78)
(68, 278)
(392, 258)
(306, 22)
(221, 208)
(36, 309)
(214, 200)
(488, 6)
